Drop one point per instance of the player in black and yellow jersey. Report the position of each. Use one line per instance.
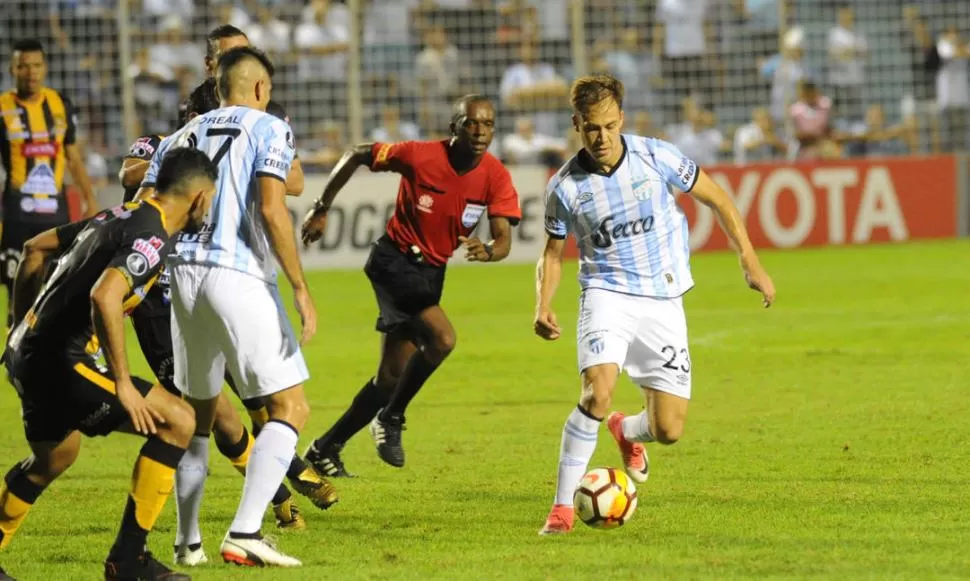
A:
(104, 266)
(37, 146)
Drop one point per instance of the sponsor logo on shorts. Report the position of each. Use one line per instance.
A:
(98, 415)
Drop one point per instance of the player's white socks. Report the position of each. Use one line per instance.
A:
(637, 428)
(268, 463)
(189, 486)
(578, 444)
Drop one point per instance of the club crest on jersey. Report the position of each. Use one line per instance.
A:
(149, 250)
(643, 189)
(425, 202)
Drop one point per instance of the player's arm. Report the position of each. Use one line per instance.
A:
(549, 267)
(135, 164)
(274, 155)
(37, 253)
(710, 194)
(295, 180)
(108, 315)
(316, 219)
(548, 276)
(132, 171)
(75, 163)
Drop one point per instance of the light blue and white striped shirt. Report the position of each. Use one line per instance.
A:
(631, 234)
(246, 144)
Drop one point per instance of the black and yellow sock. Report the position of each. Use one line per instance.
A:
(151, 485)
(237, 452)
(258, 414)
(17, 494)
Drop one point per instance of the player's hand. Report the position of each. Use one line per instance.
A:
(308, 313)
(758, 279)
(90, 209)
(474, 249)
(546, 325)
(143, 417)
(313, 226)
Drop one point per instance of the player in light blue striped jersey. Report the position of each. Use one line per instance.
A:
(226, 306)
(617, 197)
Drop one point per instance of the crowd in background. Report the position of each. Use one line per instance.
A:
(724, 80)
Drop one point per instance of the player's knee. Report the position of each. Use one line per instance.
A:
(386, 381)
(294, 410)
(596, 401)
(441, 347)
(668, 433)
(179, 423)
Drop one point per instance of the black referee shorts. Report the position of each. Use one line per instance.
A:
(404, 287)
(61, 393)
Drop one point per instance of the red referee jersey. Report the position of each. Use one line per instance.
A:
(435, 205)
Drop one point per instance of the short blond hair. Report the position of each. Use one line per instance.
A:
(592, 89)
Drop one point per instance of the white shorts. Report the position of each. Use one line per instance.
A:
(644, 336)
(226, 318)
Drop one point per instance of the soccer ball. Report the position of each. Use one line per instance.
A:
(606, 498)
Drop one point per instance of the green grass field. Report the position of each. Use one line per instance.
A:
(827, 438)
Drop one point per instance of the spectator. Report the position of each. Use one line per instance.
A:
(526, 147)
(847, 51)
(392, 130)
(873, 138)
(269, 32)
(437, 71)
(229, 12)
(953, 90)
(700, 139)
(785, 71)
(175, 52)
(683, 40)
(758, 140)
(530, 85)
(643, 125)
(322, 40)
(324, 147)
(811, 121)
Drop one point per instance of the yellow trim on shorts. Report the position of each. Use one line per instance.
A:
(95, 377)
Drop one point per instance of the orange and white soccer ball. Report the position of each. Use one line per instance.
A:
(606, 498)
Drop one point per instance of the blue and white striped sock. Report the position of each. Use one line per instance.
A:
(578, 444)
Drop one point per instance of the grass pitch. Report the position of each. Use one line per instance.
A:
(827, 438)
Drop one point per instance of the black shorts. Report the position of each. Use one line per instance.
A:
(404, 286)
(154, 334)
(60, 394)
(15, 234)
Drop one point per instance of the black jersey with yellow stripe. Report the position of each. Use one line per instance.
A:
(131, 238)
(34, 133)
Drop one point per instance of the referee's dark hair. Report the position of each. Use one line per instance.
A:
(218, 33)
(233, 57)
(182, 165)
(28, 45)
